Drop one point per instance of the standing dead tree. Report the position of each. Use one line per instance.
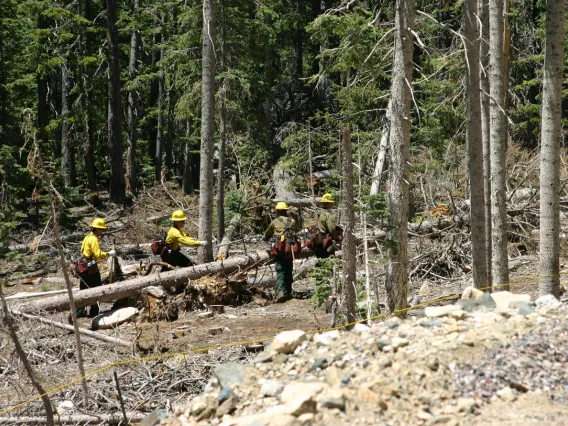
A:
(9, 321)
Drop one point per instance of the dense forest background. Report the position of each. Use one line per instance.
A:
(289, 74)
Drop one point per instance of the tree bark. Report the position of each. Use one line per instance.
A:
(500, 271)
(551, 131)
(133, 100)
(9, 321)
(116, 187)
(205, 253)
(226, 241)
(475, 145)
(67, 151)
(398, 193)
(188, 159)
(222, 133)
(483, 12)
(349, 249)
(161, 96)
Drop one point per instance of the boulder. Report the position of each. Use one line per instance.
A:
(231, 374)
(483, 303)
(440, 311)
(287, 341)
(547, 301)
(503, 299)
(326, 338)
(271, 388)
(471, 293)
(294, 390)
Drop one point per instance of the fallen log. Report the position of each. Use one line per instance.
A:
(28, 295)
(132, 287)
(74, 419)
(33, 274)
(45, 244)
(84, 331)
(158, 218)
(226, 242)
(300, 202)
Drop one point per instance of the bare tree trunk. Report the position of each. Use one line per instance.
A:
(9, 321)
(222, 135)
(383, 148)
(475, 145)
(187, 185)
(88, 144)
(133, 99)
(161, 96)
(483, 12)
(401, 96)
(500, 270)
(67, 151)
(205, 253)
(349, 259)
(116, 187)
(169, 157)
(551, 131)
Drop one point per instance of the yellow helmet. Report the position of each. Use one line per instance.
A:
(327, 198)
(281, 206)
(99, 223)
(177, 216)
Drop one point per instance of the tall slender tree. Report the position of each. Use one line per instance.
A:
(475, 145)
(222, 128)
(551, 131)
(401, 96)
(483, 13)
(500, 261)
(133, 101)
(67, 150)
(116, 187)
(209, 32)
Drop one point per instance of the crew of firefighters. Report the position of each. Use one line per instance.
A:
(282, 232)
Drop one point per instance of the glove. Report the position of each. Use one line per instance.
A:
(112, 253)
(203, 243)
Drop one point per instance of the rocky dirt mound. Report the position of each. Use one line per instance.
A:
(486, 360)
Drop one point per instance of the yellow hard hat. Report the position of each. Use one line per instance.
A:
(327, 198)
(281, 206)
(99, 223)
(178, 215)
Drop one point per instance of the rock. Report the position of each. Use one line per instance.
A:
(393, 323)
(307, 418)
(331, 402)
(154, 418)
(471, 293)
(231, 374)
(301, 405)
(547, 301)
(224, 394)
(271, 388)
(523, 308)
(279, 359)
(457, 315)
(423, 415)
(381, 343)
(228, 406)
(360, 328)
(440, 311)
(503, 299)
(198, 406)
(65, 407)
(424, 289)
(157, 292)
(507, 394)
(466, 405)
(326, 338)
(399, 342)
(264, 356)
(319, 363)
(373, 398)
(204, 315)
(483, 303)
(430, 323)
(263, 419)
(295, 390)
(287, 341)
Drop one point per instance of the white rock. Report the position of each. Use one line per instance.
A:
(440, 311)
(65, 406)
(287, 341)
(507, 394)
(198, 407)
(424, 289)
(399, 342)
(471, 293)
(457, 315)
(360, 328)
(271, 388)
(326, 338)
(155, 291)
(301, 405)
(504, 298)
(294, 390)
(548, 300)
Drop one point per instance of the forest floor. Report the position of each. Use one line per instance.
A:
(180, 353)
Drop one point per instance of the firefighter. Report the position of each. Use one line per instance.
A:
(329, 232)
(176, 237)
(88, 270)
(282, 231)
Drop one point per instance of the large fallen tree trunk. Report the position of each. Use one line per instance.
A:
(49, 243)
(132, 287)
(226, 242)
(89, 333)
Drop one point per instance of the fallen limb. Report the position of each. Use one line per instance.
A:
(33, 274)
(226, 242)
(132, 287)
(303, 202)
(88, 333)
(36, 294)
(74, 419)
(45, 244)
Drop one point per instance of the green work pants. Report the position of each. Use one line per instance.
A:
(284, 277)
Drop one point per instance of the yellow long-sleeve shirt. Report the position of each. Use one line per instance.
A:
(176, 237)
(91, 249)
